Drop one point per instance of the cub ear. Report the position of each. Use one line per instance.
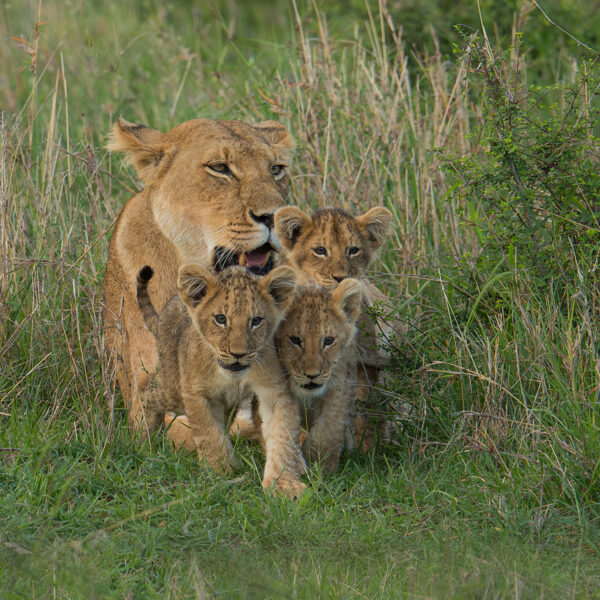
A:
(346, 298)
(193, 283)
(278, 137)
(145, 148)
(376, 224)
(289, 223)
(280, 284)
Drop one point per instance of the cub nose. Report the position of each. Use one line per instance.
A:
(339, 278)
(313, 375)
(238, 356)
(264, 218)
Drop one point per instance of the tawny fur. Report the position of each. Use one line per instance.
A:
(315, 345)
(185, 211)
(215, 343)
(328, 247)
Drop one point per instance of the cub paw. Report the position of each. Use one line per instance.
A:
(220, 461)
(285, 485)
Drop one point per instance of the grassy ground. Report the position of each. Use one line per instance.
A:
(490, 487)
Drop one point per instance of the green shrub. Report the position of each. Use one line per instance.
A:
(530, 188)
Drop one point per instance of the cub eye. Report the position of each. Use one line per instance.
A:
(296, 341)
(221, 168)
(328, 341)
(320, 251)
(278, 171)
(255, 321)
(220, 319)
(353, 250)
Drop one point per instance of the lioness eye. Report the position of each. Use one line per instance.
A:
(353, 250)
(255, 321)
(220, 319)
(328, 341)
(295, 340)
(320, 251)
(220, 168)
(277, 171)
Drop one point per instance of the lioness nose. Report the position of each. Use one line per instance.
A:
(265, 218)
(339, 278)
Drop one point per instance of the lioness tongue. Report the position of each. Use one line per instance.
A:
(256, 258)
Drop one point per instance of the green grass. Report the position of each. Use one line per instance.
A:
(82, 522)
(490, 487)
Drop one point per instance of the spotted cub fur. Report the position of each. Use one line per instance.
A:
(215, 348)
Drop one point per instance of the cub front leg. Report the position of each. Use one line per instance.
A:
(280, 427)
(325, 437)
(371, 424)
(206, 418)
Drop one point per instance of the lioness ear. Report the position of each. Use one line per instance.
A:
(290, 223)
(376, 224)
(145, 148)
(346, 297)
(278, 137)
(193, 283)
(280, 284)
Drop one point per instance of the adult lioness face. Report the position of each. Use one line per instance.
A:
(214, 186)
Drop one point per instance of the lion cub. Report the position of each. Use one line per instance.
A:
(315, 347)
(327, 248)
(215, 342)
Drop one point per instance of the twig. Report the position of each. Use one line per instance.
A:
(579, 42)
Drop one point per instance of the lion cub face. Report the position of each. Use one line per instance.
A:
(235, 312)
(332, 245)
(314, 338)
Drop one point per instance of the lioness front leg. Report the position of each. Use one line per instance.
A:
(208, 432)
(280, 427)
(142, 368)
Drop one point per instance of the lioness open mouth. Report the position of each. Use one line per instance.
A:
(258, 261)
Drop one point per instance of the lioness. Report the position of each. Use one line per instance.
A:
(315, 346)
(211, 190)
(215, 348)
(329, 247)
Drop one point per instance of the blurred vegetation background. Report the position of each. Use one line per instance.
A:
(118, 47)
(476, 123)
